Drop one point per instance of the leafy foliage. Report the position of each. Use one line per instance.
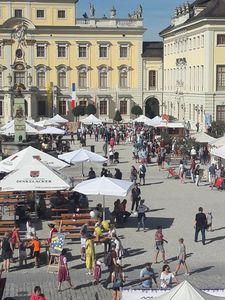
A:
(117, 116)
(136, 110)
(217, 128)
(90, 109)
(78, 111)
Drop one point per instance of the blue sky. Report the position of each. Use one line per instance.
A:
(157, 13)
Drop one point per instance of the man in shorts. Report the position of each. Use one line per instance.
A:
(182, 257)
(159, 240)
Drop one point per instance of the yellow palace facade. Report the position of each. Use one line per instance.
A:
(44, 46)
(194, 63)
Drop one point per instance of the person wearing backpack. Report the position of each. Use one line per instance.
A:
(118, 278)
(110, 260)
(142, 171)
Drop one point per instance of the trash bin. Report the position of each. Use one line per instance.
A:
(92, 148)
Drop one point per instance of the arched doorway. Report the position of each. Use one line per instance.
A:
(151, 108)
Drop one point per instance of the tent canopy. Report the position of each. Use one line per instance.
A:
(142, 119)
(9, 129)
(202, 137)
(33, 175)
(46, 122)
(185, 290)
(52, 130)
(220, 152)
(91, 119)
(81, 155)
(104, 186)
(58, 119)
(15, 161)
(219, 142)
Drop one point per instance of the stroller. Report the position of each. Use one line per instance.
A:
(116, 157)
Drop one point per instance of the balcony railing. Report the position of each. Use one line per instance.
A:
(117, 23)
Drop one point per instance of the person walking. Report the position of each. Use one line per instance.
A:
(135, 196)
(181, 171)
(118, 278)
(212, 175)
(167, 278)
(182, 257)
(133, 174)
(142, 172)
(142, 209)
(197, 175)
(192, 170)
(200, 225)
(159, 241)
(7, 251)
(63, 271)
(147, 274)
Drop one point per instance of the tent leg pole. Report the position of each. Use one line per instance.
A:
(82, 171)
(104, 208)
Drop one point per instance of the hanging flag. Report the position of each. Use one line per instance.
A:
(73, 95)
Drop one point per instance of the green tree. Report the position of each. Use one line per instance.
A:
(136, 110)
(117, 116)
(90, 109)
(78, 111)
(218, 128)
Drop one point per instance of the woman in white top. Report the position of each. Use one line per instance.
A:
(181, 171)
(30, 230)
(167, 278)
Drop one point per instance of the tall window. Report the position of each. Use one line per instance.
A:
(123, 76)
(61, 14)
(40, 51)
(18, 13)
(42, 108)
(62, 79)
(1, 83)
(82, 78)
(61, 50)
(103, 107)
(220, 39)
(103, 51)
(152, 80)
(82, 51)
(40, 13)
(103, 76)
(41, 78)
(83, 103)
(220, 78)
(19, 74)
(123, 107)
(62, 107)
(123, 51)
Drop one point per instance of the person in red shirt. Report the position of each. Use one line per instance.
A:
(37, 294)
(52, 232)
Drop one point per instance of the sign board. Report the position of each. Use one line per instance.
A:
(57, 243)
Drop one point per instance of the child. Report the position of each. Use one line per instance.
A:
(22, 253)
(97, 272)
(209, 218)
(181, 257)
(36, 248)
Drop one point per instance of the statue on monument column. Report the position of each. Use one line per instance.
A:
(92, 10)
(20, 33)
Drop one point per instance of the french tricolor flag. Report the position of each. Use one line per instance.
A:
(73, 95)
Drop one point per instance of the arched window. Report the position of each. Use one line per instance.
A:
(123, 76)
(103, 78)
(41, 77)
(19, 74)
(62, 77)
(82, 77)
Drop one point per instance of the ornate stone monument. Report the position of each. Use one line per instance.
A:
(19, 114)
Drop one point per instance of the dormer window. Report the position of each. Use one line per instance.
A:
(18, 13)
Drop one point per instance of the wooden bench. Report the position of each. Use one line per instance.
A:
(7, 223)
(76, 216)
(3, 230)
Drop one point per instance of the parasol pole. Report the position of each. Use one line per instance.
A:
(103, 207)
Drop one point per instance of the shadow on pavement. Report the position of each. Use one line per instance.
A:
(151, 222)
(200, 270)
(171, 259)
(220, 228)
(218, 238)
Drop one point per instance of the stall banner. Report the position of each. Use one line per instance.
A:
(57, 243)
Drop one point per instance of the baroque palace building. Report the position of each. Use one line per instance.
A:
(45, 47)
(194, 63)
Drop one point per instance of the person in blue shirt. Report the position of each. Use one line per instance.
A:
(146, 276)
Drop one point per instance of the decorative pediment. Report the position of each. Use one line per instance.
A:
(62, 68)
(122, 68)
(14, 22)
(42, 68)
(83, 67)
(104, 68)
(2, 68)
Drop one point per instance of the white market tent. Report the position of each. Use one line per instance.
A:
(15, 161)
(219, 152)
(104, 186)
(219, 142)
(33, 175)
(156, 120)
(58, 119)
(142, 119)
(81, 155)
(202, 137)
(91, 119)
(185, 290)
(52, 130)
(46, 122)
(9, 129)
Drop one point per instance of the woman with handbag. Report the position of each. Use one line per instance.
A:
(118, 278)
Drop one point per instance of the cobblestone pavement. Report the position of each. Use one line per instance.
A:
(173, 205)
